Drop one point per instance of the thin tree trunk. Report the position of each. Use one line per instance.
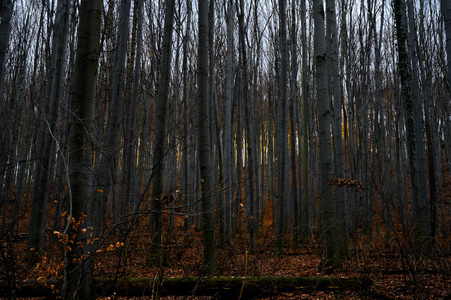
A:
(305, 97)
(385, 179)
(239, 149)
(313, 163)
(47, 126)
(401, 167)
(410, 122)
(161, 137)
(218, 178)
(282, 131)
(228, 126)
(12, 116)
(293, 108)
(208, 223)
(337, 137)
(132, 189)
(256, 136)
(106, 174)
(418, 114)
(6, 13)
(446, 12)
(326, 192)
(62, 116)
(186, 157)
(367, 209)
(250, 172)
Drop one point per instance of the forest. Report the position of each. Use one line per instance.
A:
(225, 149)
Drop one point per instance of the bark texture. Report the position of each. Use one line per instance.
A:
(78, 276)
(326, 191)
(203, 104)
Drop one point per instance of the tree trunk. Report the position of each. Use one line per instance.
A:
(282, 131)
(160, 136)
(337, 133)
(132, 189)
(239, 149)
(304, 217)
(410, 122)
(384, 178)
(250, 172)
(46, 132)
(208, 223)
(109, 165)
(326, 192)
(418, 114)
(228, 126)
(365, 59)
(6, 12)
(446, 12)
(78, 276)
(186, 157)
(293, 112)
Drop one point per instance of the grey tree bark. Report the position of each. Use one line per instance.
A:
(108, 169)
(172, 183)
(404, 68)
(326, 192)
(208, 222)
(228, 167)
(305, 113)
(282, 131)
(78, 276)
(6, 12)
(401, 166)
(418, 114)
(386, 190)
(46, 131)
(340, 192)
(239, 147)
(255, 103)
(216, 140)
(186, 106)
(293, 113)
(11, 126)
(250, 171)
(132, 188)
(446, 12)
(160, 135)
(365, 58)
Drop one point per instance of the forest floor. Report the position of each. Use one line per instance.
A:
(395, 271)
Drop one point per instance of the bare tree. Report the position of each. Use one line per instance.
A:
(305, 97)
(133, 187)
(337, 127)
(404, 68)
(446, 12)
(160, 134)
(228, 168)
(107, 174)
(293, 114)
(250, 171)
(203, 103)
(282, 133)
(78, 275)
(46, 132)
(6, 12)
(326, 192)
(186, 106)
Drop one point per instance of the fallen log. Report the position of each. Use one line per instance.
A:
(218, 286)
